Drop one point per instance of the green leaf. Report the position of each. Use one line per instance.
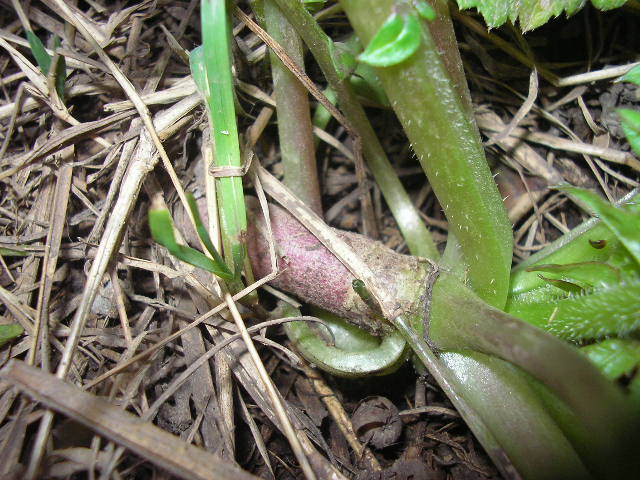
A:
(162, 232)
(530, 13)
(614, 356)
(198, 70)
(39, 52)
(313, 6)
(9, 332)
(631, 127)
(607, 4)
(425, 10)
(604, 311)
(202, 230)
(44, 60)
(623, 223)
(397, 39)
(12, 252)
(632, 76)
(583, 275)
(61, 69)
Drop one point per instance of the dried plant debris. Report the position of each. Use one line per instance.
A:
(158, 379)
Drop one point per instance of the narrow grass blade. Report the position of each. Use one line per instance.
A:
(162, 231)
(216, 35)
(12, 252)
(39, 52)
(9, 332)
(202, 230)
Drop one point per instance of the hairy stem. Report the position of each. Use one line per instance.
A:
(411, 225)
(435, 118)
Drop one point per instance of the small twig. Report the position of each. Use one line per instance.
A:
(145, 439)
(276, 400)
(522, 111)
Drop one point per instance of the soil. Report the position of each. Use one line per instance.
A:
(139, 304)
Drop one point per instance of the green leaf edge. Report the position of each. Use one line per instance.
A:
(398, 38)
(619, 221)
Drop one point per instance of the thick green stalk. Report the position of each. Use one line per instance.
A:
(292, 106)
(411, 225)
(461, 321)
(482, 388)
(216, 35)
(530, 437)
(447, 143)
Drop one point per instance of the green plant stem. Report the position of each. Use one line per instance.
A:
(481, 388)
(216, 34)
(531, 438)
(411, 225)
(292, 106)
(448, 146)
(461, 321)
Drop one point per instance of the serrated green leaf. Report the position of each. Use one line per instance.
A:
(425, 10)
(531, 14)
(615, 356)
(608, 4)
(39, 52)
(397, 39)
(624, 224)
(9, 332)
(632, 76)
(162, 232)
(631, 127)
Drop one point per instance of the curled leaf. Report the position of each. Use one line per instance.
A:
(397, 39)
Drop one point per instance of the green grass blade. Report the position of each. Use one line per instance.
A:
(9, 332)
(162, 232)
(12, 252)
(216, 35)
(39, 52)
(61, 69)
(202, 230)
